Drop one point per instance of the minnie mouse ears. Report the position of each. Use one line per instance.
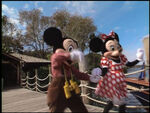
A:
(112, 34)
(52, 36)
(96, 44)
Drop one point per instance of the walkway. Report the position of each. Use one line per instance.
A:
(24, 100)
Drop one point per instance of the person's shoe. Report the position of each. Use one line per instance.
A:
(108, 107)
(122, 108)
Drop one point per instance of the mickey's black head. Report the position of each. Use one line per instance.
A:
(53, 37)
(108, 45)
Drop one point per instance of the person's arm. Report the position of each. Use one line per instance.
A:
(61, 57)
(104, 71)
(130, 64)
(79, 75)
(104, 64)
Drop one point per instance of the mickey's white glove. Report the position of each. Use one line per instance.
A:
(96, 75)
(76, 56)
(140, 54)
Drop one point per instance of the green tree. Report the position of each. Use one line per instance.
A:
(11, 37)
(35, 23)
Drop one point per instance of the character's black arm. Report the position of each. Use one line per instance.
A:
(130, 64)
(104, 71)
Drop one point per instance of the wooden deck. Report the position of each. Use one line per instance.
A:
(136, 81)
(24, 100)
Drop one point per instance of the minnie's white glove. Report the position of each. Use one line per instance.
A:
(76, 56)
(140, 54)
(96, 75)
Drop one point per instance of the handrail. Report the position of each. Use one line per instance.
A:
(101, 102)
(31, 84)
(42, 86)
(136, 72)
(42, 79)
(31, 77)
(36, 85)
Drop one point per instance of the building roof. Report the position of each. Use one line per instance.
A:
(26, 58)
(29, 59)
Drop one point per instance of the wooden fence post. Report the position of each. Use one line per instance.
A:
(84, 90)
(27, 79)
(36, 75)
(49, 73)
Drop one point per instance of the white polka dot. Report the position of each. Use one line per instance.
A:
(112, 68)
(110, 85)
(105, 81)
(116, 67)
(111, 90)
(117, 74)
(104, 61)
(120, 67)
(114, 88)
(106, 88)
(113, 76)
(114, 82)
(118, 80)
(108, 93)
(109, 79)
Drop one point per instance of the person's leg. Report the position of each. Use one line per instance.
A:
(57, 107)
(76, 104)
(55, 97)
(122, 108)
(108, 107)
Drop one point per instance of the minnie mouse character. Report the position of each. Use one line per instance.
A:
(63, 91)
(112, 85)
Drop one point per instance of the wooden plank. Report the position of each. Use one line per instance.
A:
(136, 81)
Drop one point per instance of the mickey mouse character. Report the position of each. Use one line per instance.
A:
(112, 85)
(63, 91)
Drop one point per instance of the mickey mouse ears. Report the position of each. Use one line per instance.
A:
(52, 36)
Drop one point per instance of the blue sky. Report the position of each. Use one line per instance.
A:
(130, 19)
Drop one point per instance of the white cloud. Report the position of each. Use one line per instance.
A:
(41, 9)
(55, 8)
(14, 21)
(10, 11)
(26, 6)
(36, 3)
(128, 5)
(116, 28)
(80, 7)
(12, 14)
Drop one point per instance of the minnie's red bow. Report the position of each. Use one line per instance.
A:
(104, 36)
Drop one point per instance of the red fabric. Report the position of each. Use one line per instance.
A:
(57, 63)
(113, 83)
(104, 36)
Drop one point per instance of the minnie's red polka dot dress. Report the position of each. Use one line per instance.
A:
(113, 83)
